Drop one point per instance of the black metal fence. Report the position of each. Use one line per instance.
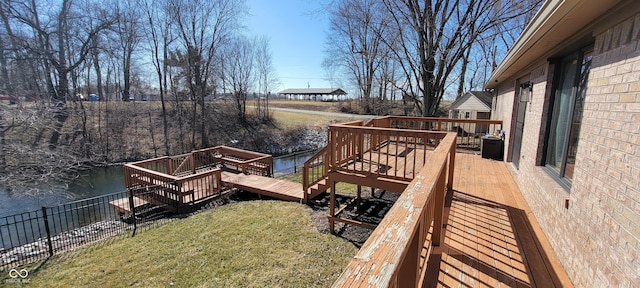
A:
(31, 236)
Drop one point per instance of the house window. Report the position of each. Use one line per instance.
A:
(467, 115)
(566, 114)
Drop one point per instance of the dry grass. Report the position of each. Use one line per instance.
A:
(302, 104)
(286, 119)
(247, 244)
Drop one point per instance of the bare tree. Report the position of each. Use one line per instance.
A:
(14, 67)
(160, 38)
(483, 55)
(204, 26)
(239, 72)
(63, 43)
(355, 45)
(431, 41)
(435, 37)
(127, 29)
(265, 73)
(7, 122)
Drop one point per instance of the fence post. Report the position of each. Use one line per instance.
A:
(46, 228)
(132, 207)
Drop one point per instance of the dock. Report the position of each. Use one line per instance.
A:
(182, 181)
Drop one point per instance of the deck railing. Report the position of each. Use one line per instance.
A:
(366, 150)
(171, 191)
(314, 170)
(395, 253)
(469, 131)
(190, 178)
(247, 162)
(243, 161)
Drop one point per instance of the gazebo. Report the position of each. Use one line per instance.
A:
(308, 93)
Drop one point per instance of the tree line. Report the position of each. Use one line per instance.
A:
(55, 53)
(418, 51)
(190, 51)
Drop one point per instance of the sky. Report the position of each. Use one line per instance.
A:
(296, 30)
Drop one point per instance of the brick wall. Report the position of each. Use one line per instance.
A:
(598, 238)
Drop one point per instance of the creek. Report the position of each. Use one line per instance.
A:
(103, 181)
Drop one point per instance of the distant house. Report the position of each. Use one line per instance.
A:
(472, 105)
(308, 93)
(568, 93)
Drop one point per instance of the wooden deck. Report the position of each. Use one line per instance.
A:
(391, 160)
(491, 239)
(272, 187)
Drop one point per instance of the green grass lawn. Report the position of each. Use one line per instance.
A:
(246, 244)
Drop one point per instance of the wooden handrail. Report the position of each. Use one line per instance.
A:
(469, 131)
(310, 167)
(392, 255)
(353, 146)
(267, 160)
(353, 123)
(192, 176)
(171, 190)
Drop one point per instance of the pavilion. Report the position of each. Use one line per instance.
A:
(309, 93)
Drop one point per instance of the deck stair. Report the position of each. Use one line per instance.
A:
(318, 188)
(315, 174)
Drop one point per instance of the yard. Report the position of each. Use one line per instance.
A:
(245, 244)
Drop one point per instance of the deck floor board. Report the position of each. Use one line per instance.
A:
(491, 238)
(272, 187)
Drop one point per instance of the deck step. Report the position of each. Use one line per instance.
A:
(122, 205)
(318, 188)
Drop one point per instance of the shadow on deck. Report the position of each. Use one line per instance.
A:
(491, 239)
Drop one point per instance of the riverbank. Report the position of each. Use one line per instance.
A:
(107, 133)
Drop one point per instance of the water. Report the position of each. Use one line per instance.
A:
(22, 221)
(103, 181)
(290, 163)
(99, 181)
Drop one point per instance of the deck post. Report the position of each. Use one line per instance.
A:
(192, 159)
(452, 164)
(132, 207)
(332, 205)
(359, 196)
(438, 213)
(305, 183)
